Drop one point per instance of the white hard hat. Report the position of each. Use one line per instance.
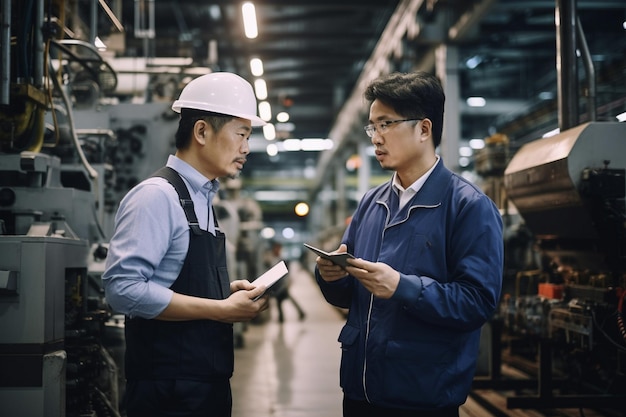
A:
(220, 92)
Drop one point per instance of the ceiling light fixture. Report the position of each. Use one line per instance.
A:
(265, 111)
(269, 131)
(260, 89)
(249, 20)
(256, 67)
(476, 101)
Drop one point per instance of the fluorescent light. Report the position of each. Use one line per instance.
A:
(272, 149)
(473, 62)
(476, 101)
(292, 145)
(249, 20)
(465, 151)
(288, 233)
(621, 117)
(282, 117)
(269, 131)
(265, 111)
(476, 143)
(260, 89)
(316, 144)
(256, 67)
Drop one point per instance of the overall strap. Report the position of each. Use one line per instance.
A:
(185, 199)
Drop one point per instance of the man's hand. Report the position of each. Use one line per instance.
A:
(241, 284)
(379, 278)
(328, 270)
(241, 305)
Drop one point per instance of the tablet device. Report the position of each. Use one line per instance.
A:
(336, 258)
(271, 277)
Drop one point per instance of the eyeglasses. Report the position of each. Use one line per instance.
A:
(383, 127)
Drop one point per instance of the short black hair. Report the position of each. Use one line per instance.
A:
(188, 119)
(414, 95)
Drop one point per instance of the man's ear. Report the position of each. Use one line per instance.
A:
(426, 130)
(200, 131)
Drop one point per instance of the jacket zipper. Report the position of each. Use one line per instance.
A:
(369, 311)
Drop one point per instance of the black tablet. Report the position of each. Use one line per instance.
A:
(336, 258)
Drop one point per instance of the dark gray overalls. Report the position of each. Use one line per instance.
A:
(183, 368)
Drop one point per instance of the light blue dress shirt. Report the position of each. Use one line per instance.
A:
(150, 241)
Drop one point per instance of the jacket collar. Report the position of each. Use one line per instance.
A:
(431, 194)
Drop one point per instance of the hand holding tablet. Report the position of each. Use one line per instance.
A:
(336, 258)
(271, 277)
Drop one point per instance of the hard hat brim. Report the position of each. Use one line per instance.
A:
(181, 104)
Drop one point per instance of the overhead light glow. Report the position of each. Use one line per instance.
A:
(249, 20)
(288, 233)
(292, 145)
(282, 117)
(272, 149)
(265, 111)
(477, 143)
(256, 67)
(316, 144)
(476, 101)
(269, 131)
(465, 151)
(621, 117)
(301, 209)
(260, 88)
(268, 233)
(473, 62)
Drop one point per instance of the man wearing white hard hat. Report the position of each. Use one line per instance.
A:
(166, 265)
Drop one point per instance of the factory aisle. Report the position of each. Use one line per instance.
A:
(291, 369)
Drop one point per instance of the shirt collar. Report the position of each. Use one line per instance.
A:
(417, 185)
(197, 181)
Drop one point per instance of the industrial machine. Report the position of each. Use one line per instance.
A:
(72, 143)
(52, 202)
(562, 320)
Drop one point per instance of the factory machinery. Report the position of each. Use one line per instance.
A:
(69, 150)
(53, 200)
(559, 338)
(561, 319)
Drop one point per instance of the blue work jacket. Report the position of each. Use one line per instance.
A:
(418, 349)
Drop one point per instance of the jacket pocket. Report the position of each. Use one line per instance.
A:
(416, 374)
(350, 366)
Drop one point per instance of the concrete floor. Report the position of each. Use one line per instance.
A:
(291, 369)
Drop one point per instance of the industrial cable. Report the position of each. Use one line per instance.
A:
(93, 174)
(620, 315)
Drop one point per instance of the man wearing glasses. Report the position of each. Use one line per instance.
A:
(428, 268)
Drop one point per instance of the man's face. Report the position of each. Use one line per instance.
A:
(399, 147)
(225, 152)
